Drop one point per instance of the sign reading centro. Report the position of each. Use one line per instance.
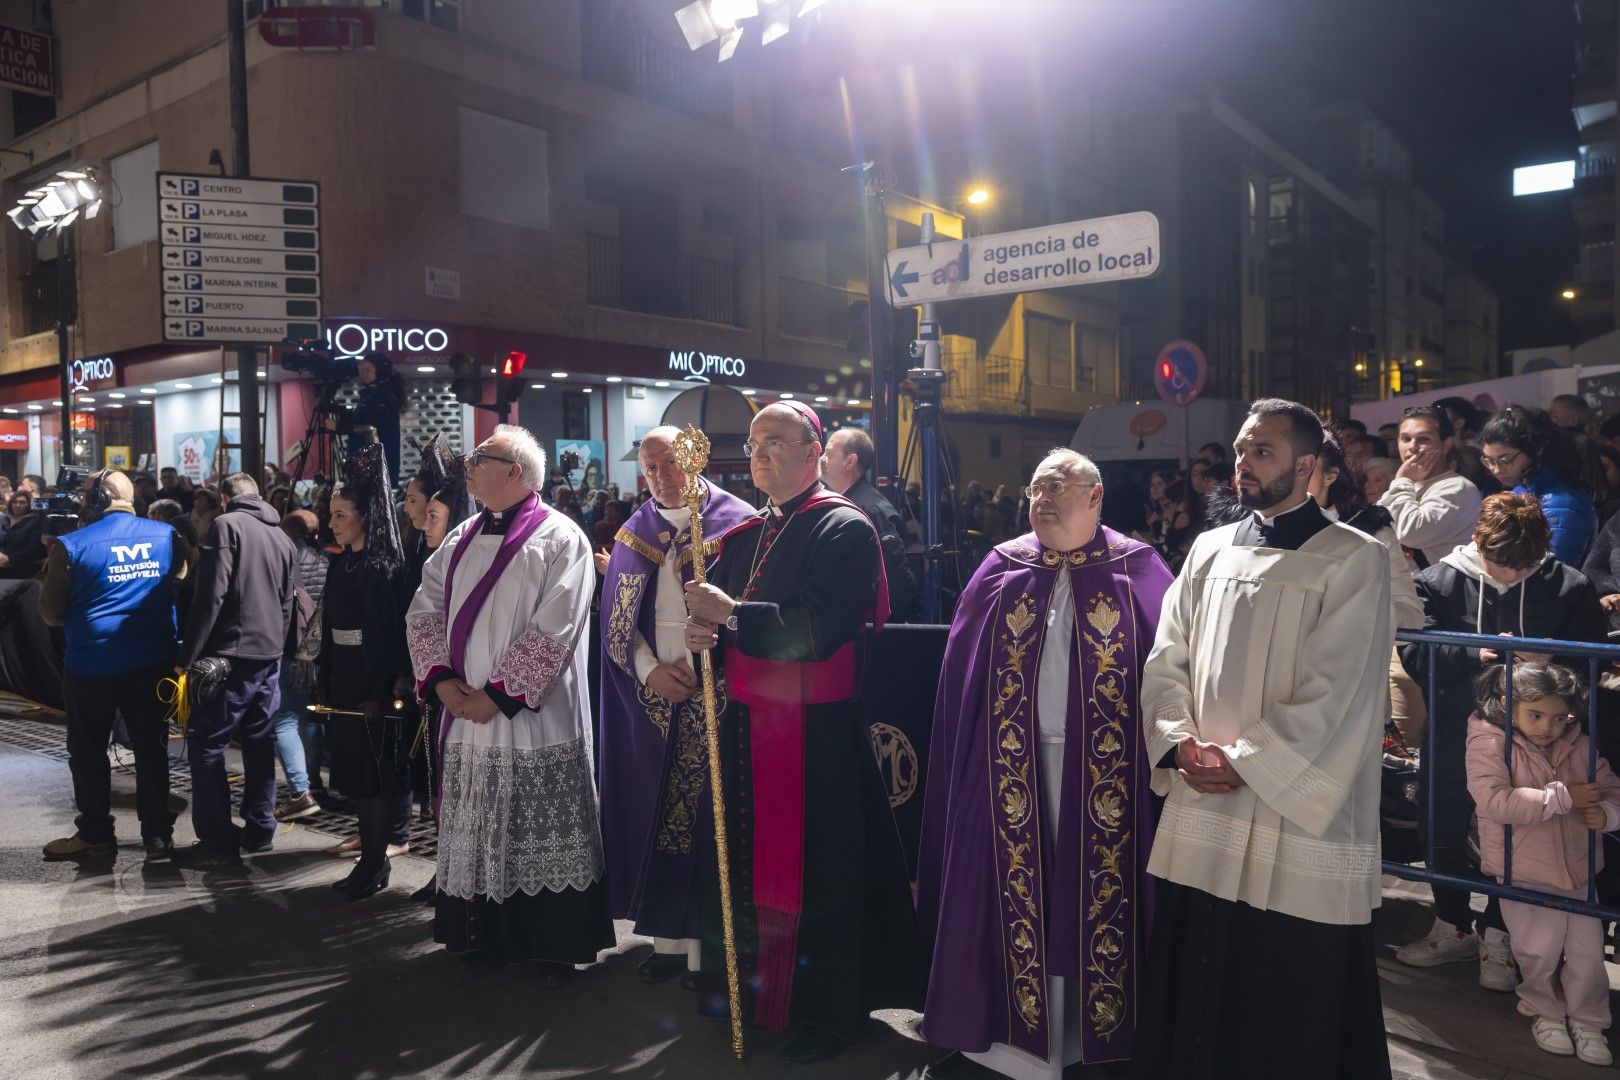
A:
(353, 339)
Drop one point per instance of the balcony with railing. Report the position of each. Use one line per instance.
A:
(658, 281)
(621, 54)
(807, 309)
(40, 299)
(989, 383)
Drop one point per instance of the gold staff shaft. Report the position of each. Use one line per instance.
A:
(694, 502)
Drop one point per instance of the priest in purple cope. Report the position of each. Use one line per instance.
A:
(1032, 889)
(657, 813)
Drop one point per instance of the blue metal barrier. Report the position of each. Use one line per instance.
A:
(1596, 656)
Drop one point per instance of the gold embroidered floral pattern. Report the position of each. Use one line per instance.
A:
(621, 624)
(658, 709)
(1109, 816)
(688, 772)
(1017, 828)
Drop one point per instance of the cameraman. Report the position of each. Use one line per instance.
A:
(241, 611)
(375, 416)
(110, 586)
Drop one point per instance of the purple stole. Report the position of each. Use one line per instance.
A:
(1067, 898)
(526, 518)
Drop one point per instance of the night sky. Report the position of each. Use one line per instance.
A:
(1474, 87)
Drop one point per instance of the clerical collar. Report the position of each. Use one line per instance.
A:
(677, 516)
(1271, 522)
(793, 504)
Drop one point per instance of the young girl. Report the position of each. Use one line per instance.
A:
(1551, 800)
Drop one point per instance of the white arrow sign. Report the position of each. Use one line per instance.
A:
(200, 212)
(1116, 248)
(225, 236)
(230, 189)
(241, 259)
(240, 307)
(229, 330)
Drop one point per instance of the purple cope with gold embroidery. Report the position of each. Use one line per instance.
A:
(652, 760)
(1007, 898)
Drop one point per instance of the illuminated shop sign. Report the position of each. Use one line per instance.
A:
(81, 373)
(354, 339)
(705, 366)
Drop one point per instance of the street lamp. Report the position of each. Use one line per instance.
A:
(50, 209)
(978, 197)
(1569, 294)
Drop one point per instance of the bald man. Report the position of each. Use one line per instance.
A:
(657, 815)
(845, 464)
(110, 586)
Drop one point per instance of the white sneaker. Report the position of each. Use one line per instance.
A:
(1444, 944)
(1497, 971)
(1590, 1045)
(1552, 1036)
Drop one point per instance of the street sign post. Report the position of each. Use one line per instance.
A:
(1180, 372)
(1119, 248)
(240, 258)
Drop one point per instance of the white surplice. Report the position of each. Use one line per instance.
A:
(518, 811)
(1280, 658)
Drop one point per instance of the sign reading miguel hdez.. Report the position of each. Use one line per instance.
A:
(241, 258)
(1117, 248)
(25, 61)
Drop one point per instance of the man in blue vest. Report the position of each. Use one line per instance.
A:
(109, 585)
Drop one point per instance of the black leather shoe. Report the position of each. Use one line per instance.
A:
(660, 967)
(956, 1066)
(809, 1047)
(366, 881)
(689, 981)
(427, 894)
(200, 856)
(552, 975)
(260, 846)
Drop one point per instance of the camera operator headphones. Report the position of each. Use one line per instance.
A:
(100, 497)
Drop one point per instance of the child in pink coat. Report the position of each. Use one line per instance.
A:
(1552, 801)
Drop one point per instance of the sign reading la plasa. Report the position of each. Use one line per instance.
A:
(25, 61)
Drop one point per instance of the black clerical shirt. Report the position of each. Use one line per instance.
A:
(1288, 531)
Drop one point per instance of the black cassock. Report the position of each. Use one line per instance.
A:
(806, 579)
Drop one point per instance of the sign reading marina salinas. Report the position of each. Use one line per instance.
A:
(1117, 248)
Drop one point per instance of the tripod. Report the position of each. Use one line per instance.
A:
(927, 439)
(317, 436)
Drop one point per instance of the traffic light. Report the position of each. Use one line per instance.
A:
(466, 383)
(509, 386)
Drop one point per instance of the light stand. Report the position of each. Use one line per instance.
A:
(927, 381)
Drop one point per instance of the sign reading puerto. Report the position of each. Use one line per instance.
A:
(241, 258)
(1180, 372)
(1117, 248)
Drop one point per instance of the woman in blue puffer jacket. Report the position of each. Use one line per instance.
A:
(1530, 455)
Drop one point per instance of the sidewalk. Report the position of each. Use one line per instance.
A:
(122, 969)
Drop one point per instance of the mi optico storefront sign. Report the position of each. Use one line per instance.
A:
(84, 374)
(358, 338)
(704, 367)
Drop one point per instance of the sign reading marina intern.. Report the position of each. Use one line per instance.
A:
(1118, 248)
(241, 258)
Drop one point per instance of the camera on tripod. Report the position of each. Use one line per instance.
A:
(63, 510)
(314, 357)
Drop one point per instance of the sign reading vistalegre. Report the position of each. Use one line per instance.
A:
(25, 61)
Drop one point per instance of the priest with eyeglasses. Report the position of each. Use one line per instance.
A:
(1031, 879)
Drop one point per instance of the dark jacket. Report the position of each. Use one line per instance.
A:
(1555, 601)
(892, 538)
(242, 605)
(24, 546)
(1602, 563)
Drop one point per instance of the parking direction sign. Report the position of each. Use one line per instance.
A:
(1117, 248)
(240, 258)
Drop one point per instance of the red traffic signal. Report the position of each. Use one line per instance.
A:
(512, 366)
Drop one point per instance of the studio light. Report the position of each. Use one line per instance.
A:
(704, 22)
(59, 202)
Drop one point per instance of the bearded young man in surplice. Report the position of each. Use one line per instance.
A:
(825, 930)
(653, 768)
(1265, 698)
(1032, 870)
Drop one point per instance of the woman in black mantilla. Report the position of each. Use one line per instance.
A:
(362, 657)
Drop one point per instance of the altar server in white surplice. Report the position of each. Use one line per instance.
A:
(1264, 699)
(496, 634)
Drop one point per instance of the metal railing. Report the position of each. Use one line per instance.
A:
(810, 310)
(658, 281)
(1596, 656)
(619, 54)
(40, 300)
(989, 379)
